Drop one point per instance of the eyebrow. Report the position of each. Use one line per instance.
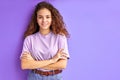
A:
(45, 15)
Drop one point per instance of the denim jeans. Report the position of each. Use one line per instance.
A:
(34, 76)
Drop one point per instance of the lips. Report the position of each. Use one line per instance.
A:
(44, 25)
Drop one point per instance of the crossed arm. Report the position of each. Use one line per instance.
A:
(59, 61)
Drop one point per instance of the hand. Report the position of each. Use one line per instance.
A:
(60, 55)
(27, 56)
(63, 56)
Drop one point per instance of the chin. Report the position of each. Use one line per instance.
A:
(45, 28)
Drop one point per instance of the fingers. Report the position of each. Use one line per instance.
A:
(60, 55)
(60, 50)
(63, 56)
(26, 56)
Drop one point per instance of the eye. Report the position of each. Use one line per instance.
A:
(39, 17)
(48, 17)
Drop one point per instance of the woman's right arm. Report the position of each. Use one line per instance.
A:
(27, 61)
(33, 64)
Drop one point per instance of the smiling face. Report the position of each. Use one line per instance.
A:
(44, 19)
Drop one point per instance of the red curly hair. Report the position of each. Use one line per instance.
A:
(57, 25)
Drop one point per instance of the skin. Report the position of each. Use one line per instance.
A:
(59, 61)
(44, 20)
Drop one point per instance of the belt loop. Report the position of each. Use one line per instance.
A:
(33, 70)
(53, 71)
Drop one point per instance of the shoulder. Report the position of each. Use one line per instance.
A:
(32, 36)
(61, 36)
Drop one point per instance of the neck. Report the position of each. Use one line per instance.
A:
(44, 32)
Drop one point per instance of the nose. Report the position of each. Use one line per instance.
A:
(44, 19)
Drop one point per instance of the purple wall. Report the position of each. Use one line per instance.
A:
(94, 44)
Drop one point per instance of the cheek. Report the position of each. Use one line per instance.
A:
(39, 21)
(50, 21)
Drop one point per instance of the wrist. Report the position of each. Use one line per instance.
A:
(52, 61)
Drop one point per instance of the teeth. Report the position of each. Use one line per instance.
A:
(44, 24)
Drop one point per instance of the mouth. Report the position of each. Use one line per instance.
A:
(44, 24)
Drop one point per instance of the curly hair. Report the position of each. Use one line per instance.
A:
(57, 25)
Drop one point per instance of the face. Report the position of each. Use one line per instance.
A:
(44, 19)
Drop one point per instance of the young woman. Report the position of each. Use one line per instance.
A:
(45, 49)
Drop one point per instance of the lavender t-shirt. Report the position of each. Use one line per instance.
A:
(44, 47)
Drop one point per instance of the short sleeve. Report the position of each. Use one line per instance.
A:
(26, 46)
(63, 44)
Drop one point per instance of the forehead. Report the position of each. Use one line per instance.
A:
(44, 11)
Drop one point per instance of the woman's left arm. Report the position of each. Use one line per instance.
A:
(62, 63)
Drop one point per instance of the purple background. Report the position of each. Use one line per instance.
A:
(94, 45)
